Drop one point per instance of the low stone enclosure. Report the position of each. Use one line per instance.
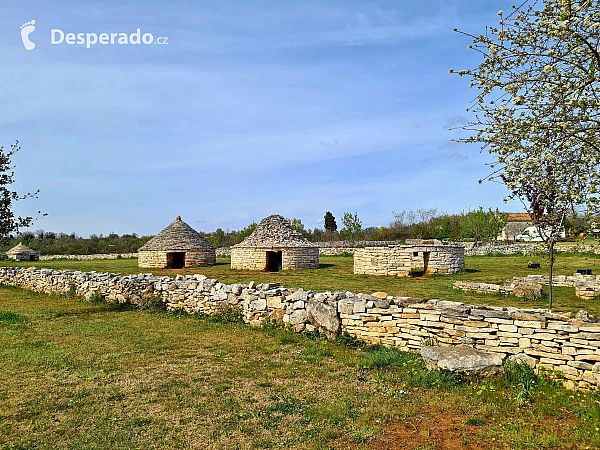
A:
(539, 338)
(586, 286)
(400, 260)
(274, 245)
(519, 287)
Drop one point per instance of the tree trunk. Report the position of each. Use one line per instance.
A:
(551, 265)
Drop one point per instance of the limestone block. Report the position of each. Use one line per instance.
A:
(462, 359)
(298, 316)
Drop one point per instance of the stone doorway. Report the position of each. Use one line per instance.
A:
(274, 261)
(176, 260)
(420, 263)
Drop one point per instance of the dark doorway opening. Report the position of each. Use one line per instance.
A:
(274, 260)
(425, 262)
(176, 260)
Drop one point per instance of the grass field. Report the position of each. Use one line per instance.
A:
(76, 375)
(335, 273)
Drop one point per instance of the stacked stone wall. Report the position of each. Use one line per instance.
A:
(200, 257)
(539, 338)
(89, 257)
(327, 251)
(339, 247)
(400, 260)
(301, 258)
(248, 259)
(193, 258)
(497, 248)
(586, 286)
(504, 248)
(152, 260)
(254, 258)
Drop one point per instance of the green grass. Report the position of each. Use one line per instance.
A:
(336, 273)
(8, 318)
(78, 375)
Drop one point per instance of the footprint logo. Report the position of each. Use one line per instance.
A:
(26, 30)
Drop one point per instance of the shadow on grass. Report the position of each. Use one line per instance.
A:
(91, 309)
(223, 263)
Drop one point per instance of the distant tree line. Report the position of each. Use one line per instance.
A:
(478, 225)
(50, 243)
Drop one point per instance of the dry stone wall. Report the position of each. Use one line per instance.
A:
(152, 259)
(536, 337)
(250, 258)
(586, 286)
(399, 260)
(193, 258)
(524, 248)
(89, 257)
(499, 248)
(517, 287)
(339, 247)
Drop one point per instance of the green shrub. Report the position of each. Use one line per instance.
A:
(72, 291)
(523, 377)
(379, 357)
(349, 341)
(97, 299)
(11, 318)
(417, 271)
(429, 342)
(227, 313)
(314, 335)
(152, 303)
(269, 325)
(435, 378)
(475, 421)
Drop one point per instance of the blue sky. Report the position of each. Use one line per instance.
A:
(252, 108)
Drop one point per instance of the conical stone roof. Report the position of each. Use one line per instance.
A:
(275, 232)
(177, 236)
(20, 248)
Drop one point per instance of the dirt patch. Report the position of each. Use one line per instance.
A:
(439, 431)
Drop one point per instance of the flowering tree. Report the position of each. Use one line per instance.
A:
(537, 110)
(8, 222)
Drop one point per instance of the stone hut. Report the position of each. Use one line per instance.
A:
(274, 246)
(22, 253)
(175, 247)
(515, 224)
(400, 260)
